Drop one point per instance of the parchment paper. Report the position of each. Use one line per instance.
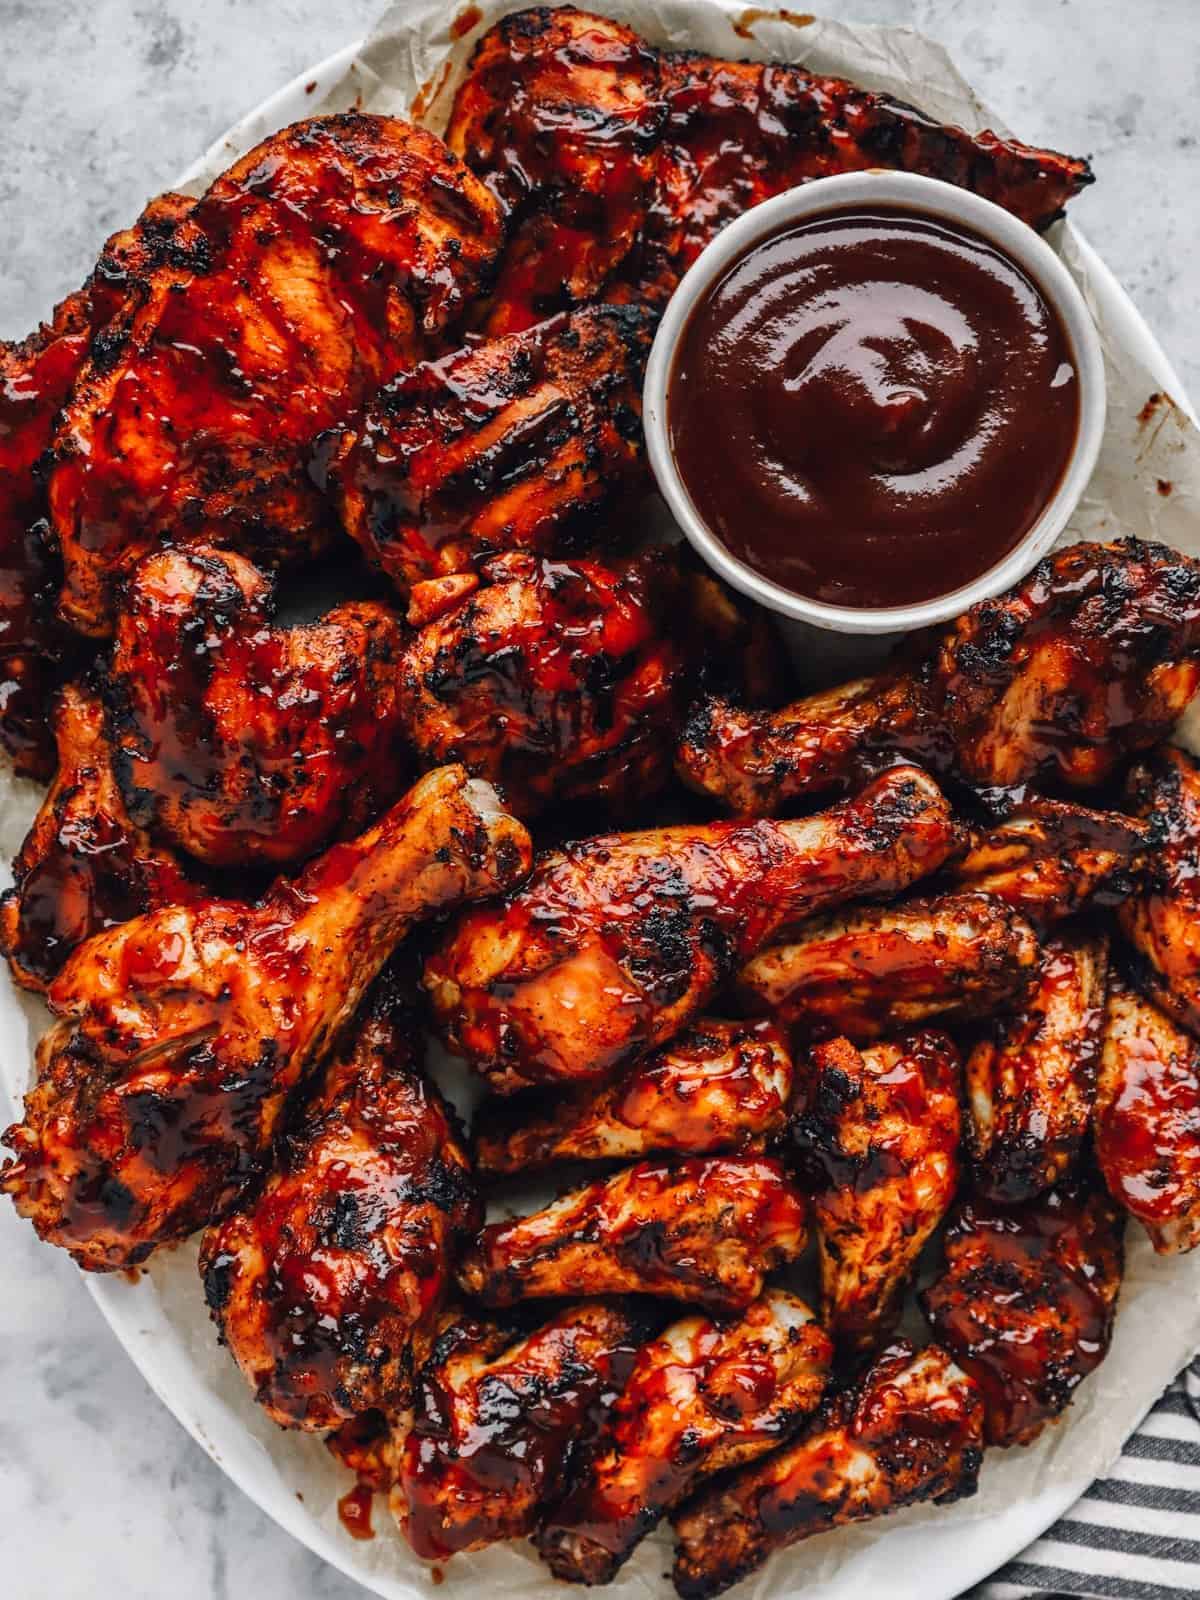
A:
(1147, 482)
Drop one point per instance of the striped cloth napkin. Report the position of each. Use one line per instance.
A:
(1134, 1535)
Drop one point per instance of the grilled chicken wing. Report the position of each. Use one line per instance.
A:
(1027, 1301)
(558, 114)
(36, 378)
(499, 1422)
(757, 762)
(878, 1139)
(702, 1397)
(867, 973)
(702, 1230)
(618, 942)
(1162, 920)
(333, 255)
(716, 1086)
(1148, 1119)
(557, 681)
(328, 1284)
(1095, 654)
(910, 1429)
(183, 1033)
(243, 742)
(1031, 1077)
(524, 443)
(84, 865)
(738, 132)
(1050, 859)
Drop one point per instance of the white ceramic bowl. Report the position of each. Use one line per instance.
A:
(929, 197)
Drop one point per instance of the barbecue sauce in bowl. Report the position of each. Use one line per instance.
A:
(872, 407)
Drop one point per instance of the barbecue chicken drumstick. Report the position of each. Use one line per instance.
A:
(909, 1429)
(36, 378)
(701, 1230)
(184, 1032)
(1031, 1077)
(327, 1286)
(500, 1420)
(716, 1086)
(617, 942)
(702, 1397)
(530, 442)
(239, 741)
(557, 680)
(85, 865)
(1162, 919)
(871, 972)
(1148, 1119)
(878, 1140)
(335, 254)
(1027, 1301)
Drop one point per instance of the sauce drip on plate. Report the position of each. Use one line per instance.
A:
(871, 408)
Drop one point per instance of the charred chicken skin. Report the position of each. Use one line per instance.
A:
(1027, 1300)
(556, 681)
(618, 942)
(36, 378)
(1162, 920)
(1148, 1119)
(529, 442)
(500, 1420)
(702, 1230)
(702, 1397)
(1031, 1077)
(1050, 859)
(871, 972)
(85, 865)
(239, 741)
(559, 115)
(327, 1286)
(618, 162)
(333, 255)
(1090, 658)
(910, 1429)
(184, 1033)
(716, 1086)
(878, 1141)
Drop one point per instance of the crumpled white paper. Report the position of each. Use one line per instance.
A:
(1147, 482)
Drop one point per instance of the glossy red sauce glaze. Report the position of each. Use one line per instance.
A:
(872, 408)
(354, 1512)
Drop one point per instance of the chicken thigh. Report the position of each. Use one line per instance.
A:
(241, 742)
(530, 442)
(1162, 920)
(331, 256)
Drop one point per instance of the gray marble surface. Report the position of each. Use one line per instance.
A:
(104, 102)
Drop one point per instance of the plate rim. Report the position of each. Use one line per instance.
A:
(988, 1544)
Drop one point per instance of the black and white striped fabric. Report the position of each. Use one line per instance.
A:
(1136, 1534)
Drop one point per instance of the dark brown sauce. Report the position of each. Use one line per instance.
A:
(872, 408)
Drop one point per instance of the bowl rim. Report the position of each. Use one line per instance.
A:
(920, 195)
